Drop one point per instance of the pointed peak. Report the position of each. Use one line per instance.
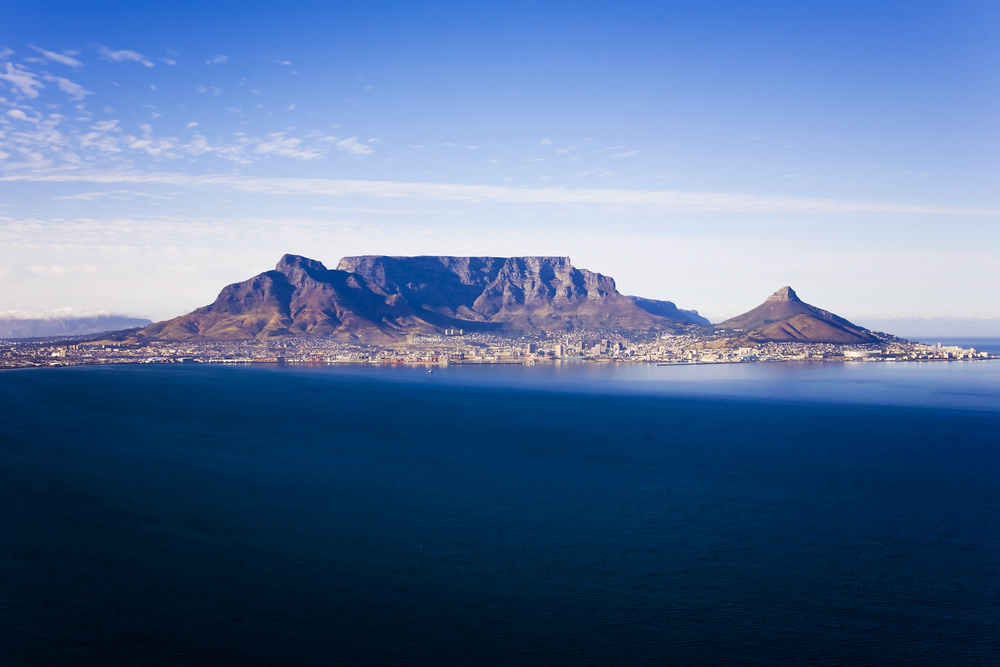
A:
(786, 293)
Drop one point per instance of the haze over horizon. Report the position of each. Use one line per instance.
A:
(704, 153)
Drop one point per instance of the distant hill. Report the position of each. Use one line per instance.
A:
(376, 297)
(58, 324)
(784, 317)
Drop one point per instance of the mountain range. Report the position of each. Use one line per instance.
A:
(60, 323)
(373, 298)
(377, 298)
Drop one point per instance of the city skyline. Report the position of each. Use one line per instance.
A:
(703, 153)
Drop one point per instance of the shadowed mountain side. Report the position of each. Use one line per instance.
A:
(522, 293)
(784, 317)
(300, 297)
(668, 309)
(383, 298)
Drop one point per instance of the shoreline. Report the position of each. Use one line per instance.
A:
(438, 364)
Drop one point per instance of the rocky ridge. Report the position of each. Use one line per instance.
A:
(378, 298)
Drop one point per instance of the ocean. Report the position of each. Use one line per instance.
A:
(573, 514)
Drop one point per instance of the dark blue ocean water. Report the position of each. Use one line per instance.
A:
(813, 514)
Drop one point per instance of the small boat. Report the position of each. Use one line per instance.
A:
(430, 370)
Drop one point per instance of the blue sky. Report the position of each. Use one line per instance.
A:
(703, 152)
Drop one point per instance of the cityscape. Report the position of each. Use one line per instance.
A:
(458, 347)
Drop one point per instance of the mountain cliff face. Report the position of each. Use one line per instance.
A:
(376, 298)
(521, 293)
(785, 317)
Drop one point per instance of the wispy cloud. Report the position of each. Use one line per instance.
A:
(279, 144)
(61, 58)
(352, 146)
(656, 199)
(23, 81)
(625, 154)
(112, 194)
(56, 142)
(106, 125)
(217, 60)
(74, 90)
(123, 56)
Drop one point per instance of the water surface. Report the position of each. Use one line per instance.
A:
(740, 514)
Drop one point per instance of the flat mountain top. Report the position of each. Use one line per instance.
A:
(377, 297)
(785, 317)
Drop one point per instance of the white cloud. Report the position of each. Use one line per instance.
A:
(354, 147)
(102, 142)
(661, 200)
(112, 194)
(625, 154)
(286, 147)
(74, 90)
(546, 142)
(168, 61)
(22, 80)
(291, 107)
(217, 60)
(61, 58)
(56, 313)
(105, 125)
(20, 115)
(121, 56)
(155, 147)
(193, 123)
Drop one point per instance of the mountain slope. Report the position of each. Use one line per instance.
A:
(376, 298)
(785, 317)
(522, 293)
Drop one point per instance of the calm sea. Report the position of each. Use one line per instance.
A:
(579, 514)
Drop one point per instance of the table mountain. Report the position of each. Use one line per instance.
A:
(785, 317)
(375, 298)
